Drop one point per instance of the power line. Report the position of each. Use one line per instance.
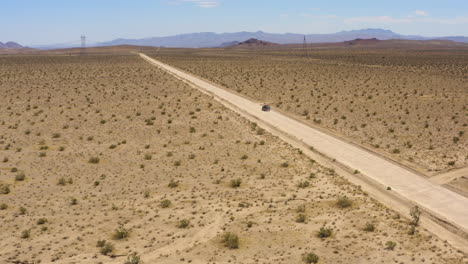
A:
(304, 47)
(83, 44)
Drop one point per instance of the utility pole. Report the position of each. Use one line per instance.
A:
(304, 47)
(83, 44)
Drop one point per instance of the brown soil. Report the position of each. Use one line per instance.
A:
(118, 131)
(408, 105)
(460, 184)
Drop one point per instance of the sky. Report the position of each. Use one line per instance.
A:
(36, 22)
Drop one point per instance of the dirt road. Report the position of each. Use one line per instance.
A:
(450, 176)
(441, 202)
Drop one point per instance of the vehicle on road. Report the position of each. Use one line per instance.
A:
(266, 108)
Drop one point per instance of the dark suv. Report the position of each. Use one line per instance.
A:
(266, 108)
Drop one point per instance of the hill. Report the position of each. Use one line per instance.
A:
(229, 44)
(11, 47)
(251, 43)
(362, 41)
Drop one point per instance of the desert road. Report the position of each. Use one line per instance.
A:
(449, 176)
(441, 202)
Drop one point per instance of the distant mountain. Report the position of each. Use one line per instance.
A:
(14, 48)
(361, 42)
(455, 39)
(210, 39)
(10, 45)
(249, 43)
(229, 44)
(193, 40)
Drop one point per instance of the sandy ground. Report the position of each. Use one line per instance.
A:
(409, 105)
(460, 183)
(450, 176)
(118, 131)
(445, 203)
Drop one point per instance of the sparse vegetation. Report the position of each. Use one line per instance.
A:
(301, 218)
(354, 94)
(121, 233)
(303, 184)
(230, 240)
(325, 232)
(390, 245)
(311, 258)
(62, 181)
(94, 160)
(173, 184)
(344, 202)
(74, 95)
(415, 214)
(133, 258)
(370, 227)
(73, 201)
(4, 189)
(41, 221)
(184, 223)
(235, 183)
(165, 203)
(25, 234)
(22, 210)
(301, 208)
(20, 177)
(107, 249)
(100, 243)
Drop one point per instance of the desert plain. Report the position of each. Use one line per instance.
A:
(407, 104)
(108, 159)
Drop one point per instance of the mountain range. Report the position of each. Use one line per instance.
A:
(210, 39)
(10, 45)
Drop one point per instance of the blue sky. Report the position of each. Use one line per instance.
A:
(33, 22)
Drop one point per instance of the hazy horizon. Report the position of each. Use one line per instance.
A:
(33, 23)
(199, 32)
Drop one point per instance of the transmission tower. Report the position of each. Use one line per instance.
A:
(83, 44)
(304, 47)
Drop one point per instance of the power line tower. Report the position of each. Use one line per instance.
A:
(83, 44)
(304, 47)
